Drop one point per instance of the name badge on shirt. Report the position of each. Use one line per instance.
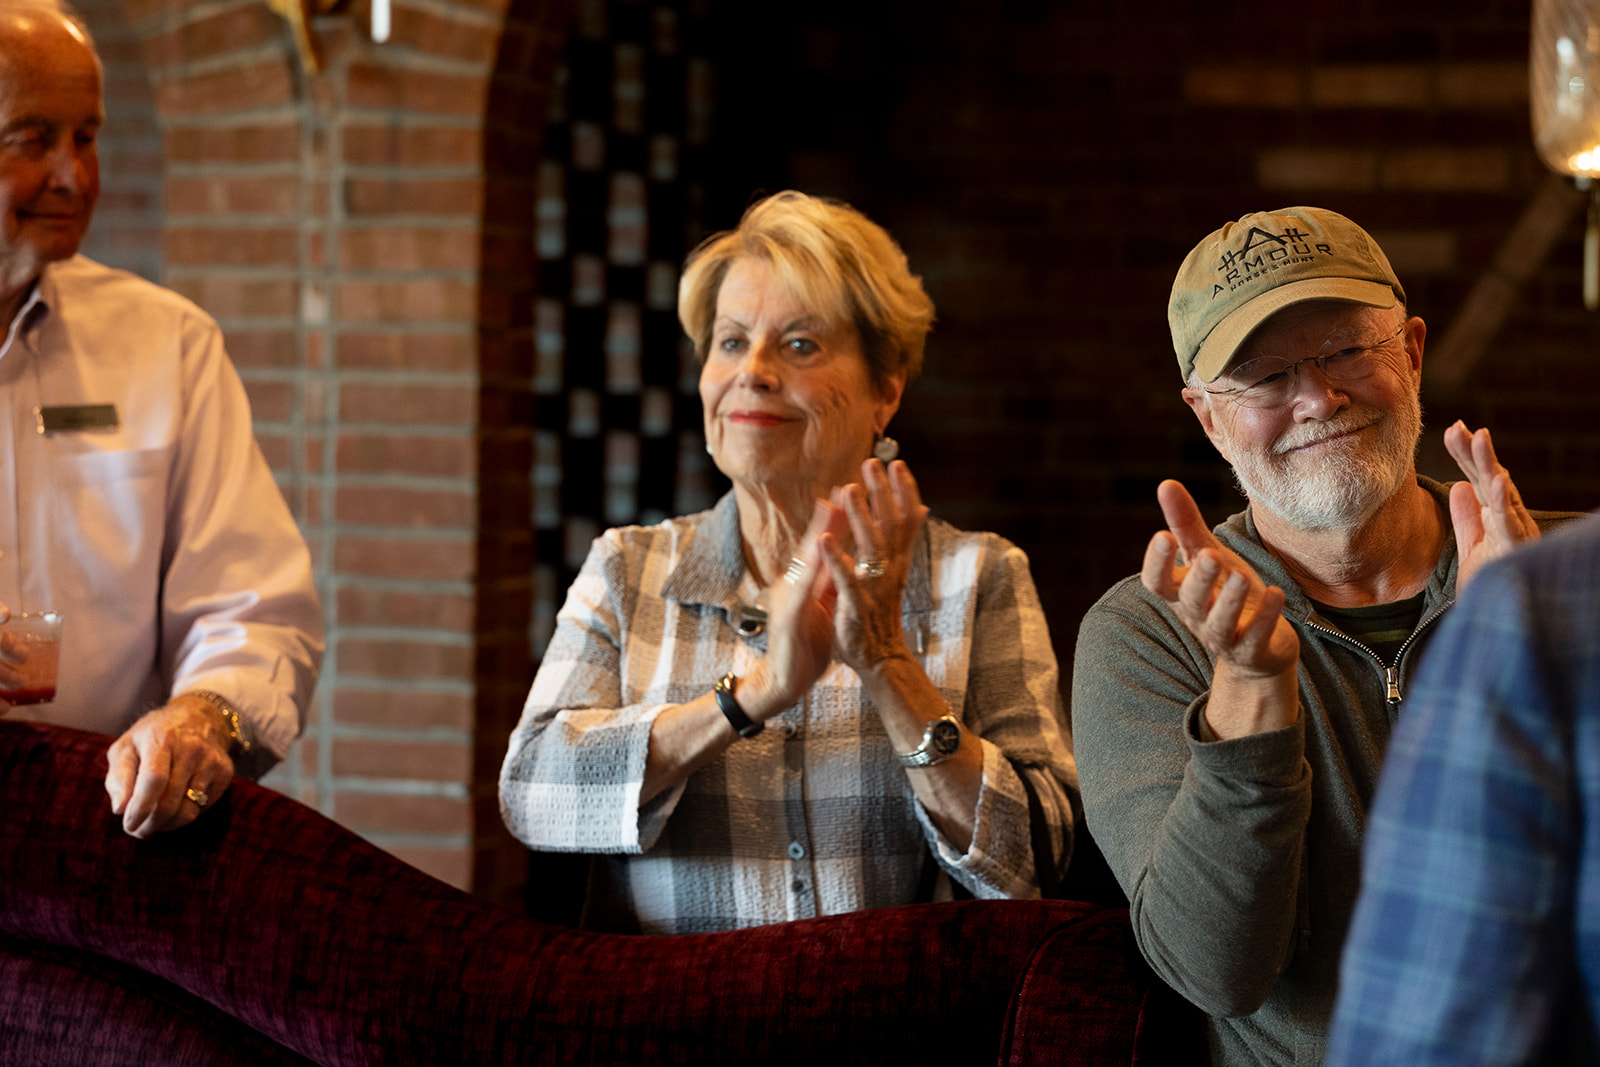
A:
(78, 418)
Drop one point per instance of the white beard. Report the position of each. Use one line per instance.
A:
(1344, 484)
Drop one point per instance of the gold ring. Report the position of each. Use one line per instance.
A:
(199, 798)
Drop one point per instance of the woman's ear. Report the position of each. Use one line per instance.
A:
(890, 391)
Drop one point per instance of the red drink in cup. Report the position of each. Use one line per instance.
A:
(34, 638)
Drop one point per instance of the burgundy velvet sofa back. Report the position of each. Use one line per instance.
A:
(265, 934)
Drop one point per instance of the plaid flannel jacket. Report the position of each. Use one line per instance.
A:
(814, 816)
(1476, 939)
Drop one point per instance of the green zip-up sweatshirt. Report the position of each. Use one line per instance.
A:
(1240, 858)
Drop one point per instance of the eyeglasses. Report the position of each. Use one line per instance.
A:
(1267, 381)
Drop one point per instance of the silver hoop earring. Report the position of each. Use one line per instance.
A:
(885, 449)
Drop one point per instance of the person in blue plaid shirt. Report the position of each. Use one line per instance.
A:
(1476, 938)
(813, 698)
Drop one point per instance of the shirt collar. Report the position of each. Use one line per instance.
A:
(711, 566)
(25, 316)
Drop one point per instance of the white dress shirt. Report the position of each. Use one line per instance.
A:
(163, 541)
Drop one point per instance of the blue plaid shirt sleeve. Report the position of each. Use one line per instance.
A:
(1462, 948)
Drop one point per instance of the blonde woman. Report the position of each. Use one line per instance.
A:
(812, 698)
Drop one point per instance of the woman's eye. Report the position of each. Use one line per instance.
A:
(730, 344)
(802, 346)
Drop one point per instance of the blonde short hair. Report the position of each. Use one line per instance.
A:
(838, 262)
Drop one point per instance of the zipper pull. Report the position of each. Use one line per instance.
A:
(1391, 675)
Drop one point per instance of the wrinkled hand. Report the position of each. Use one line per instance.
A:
(1486, 509)
(1217, 595)
(885, 514)
(170, 750)
(800, 615)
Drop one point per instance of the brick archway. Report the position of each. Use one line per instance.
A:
(340, 226)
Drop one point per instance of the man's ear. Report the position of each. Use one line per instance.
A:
(1416, 334)
(1199, 402)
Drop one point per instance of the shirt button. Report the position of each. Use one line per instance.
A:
(797, 851)
(798, 886)
(791, 730)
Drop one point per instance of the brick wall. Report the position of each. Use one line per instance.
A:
(365, 237)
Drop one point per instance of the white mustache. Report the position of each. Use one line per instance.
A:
(1312, 432)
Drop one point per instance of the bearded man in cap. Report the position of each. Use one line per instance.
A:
(1231, 704)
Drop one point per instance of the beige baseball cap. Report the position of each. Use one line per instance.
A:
(1249, 270)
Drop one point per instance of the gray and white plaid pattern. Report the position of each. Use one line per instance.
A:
(814, 816)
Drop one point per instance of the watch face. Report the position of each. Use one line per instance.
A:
(946, 737)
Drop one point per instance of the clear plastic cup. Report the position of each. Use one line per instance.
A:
(33, 637)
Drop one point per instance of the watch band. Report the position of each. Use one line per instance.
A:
(723, 692)
(239, 743)
(939, 742)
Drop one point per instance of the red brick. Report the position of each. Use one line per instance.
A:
(247, 297)
(310, 511)
(276, 449)
(314, 400)
(429, 761)
(409, 708)
(263, 348)
(446, 559)
(396, 506)
(1449, 170)
(427, 32)
(405, 454)
(402, 813)
(228, 30)
(232, 246)
(408, 351)
(409, 248)
(1248, 85)
(1479, 85)
(412, 146)
(416, 405)
(270, 401)
(233, 144)
(1374, 86)
(1414, 253)
(239, 89)
(415, 90)
(1317, 168)
(276, 195)
(414, 196)
(432, 300)
(361, 605)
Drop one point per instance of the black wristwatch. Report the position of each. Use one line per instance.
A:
(723, 692)
(939, 742)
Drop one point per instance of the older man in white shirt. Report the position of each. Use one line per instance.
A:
(133, 497)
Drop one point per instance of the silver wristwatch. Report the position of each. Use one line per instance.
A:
(939, 743)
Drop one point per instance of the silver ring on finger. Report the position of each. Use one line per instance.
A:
(871, 568)
(795, 571)
(198, 796)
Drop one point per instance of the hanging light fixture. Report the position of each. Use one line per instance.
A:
(1564, 95)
